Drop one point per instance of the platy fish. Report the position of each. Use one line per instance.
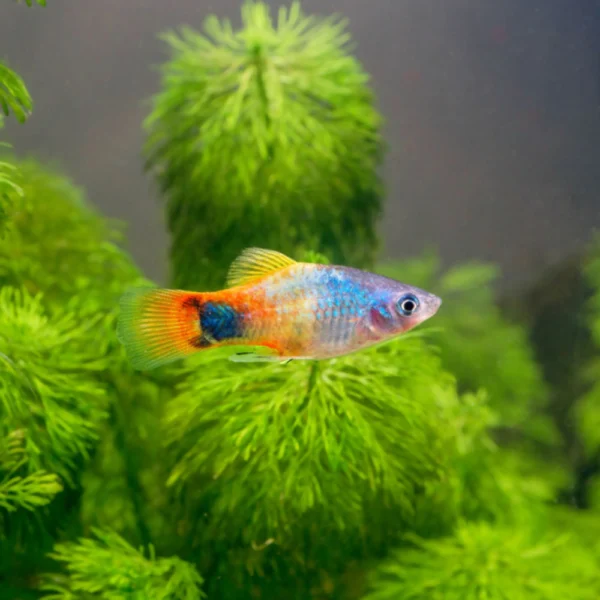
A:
(277, 308)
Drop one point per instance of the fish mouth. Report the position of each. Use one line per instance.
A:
(432, 304)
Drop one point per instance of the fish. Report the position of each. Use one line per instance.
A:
(273, 309)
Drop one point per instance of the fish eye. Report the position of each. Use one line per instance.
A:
(408, 304)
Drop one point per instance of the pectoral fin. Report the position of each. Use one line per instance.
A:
(256, 353)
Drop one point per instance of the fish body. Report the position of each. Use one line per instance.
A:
(286, 309)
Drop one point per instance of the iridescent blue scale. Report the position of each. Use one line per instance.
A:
(338, 306)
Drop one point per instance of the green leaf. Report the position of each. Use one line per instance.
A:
(17, 491)
(29, 492)
(14, 96)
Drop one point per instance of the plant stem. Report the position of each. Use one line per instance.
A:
(312, 378)
(131, 470)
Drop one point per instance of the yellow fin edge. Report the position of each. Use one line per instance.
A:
(254, 263)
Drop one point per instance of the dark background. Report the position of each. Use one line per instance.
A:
(492, 112)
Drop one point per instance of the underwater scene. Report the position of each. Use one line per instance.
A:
(300, 300)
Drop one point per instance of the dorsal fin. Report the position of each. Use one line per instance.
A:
(254, 263)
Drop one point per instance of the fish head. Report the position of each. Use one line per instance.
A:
(400, 308)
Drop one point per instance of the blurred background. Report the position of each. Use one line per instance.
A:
(492, 116)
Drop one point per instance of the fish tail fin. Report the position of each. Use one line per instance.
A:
(159, 326)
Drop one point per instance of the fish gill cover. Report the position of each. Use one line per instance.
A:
(433, 467)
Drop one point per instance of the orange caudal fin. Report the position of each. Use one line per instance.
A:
(158, 326)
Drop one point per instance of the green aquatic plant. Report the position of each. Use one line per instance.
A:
(52, 403)
(14, 96)
(291, 110)
(296, 470)
(305, 440)
(480, 561)
(15, 100)
(52, 397)
(23, 491)
(109, 568)
(9, 186)
(58, 245)
(485, 349)
(478, 343)
(66, 391)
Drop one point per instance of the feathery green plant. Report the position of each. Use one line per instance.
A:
(326, 461)
(18, 491)
(52, 399)
(478, 345)
(265, 136)
(285, 441)
(51, 395)
(109, 568)
(481, 561)
(14, 98)
(9, 186)
(61, 275)
(485, 350)
(59, 246)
